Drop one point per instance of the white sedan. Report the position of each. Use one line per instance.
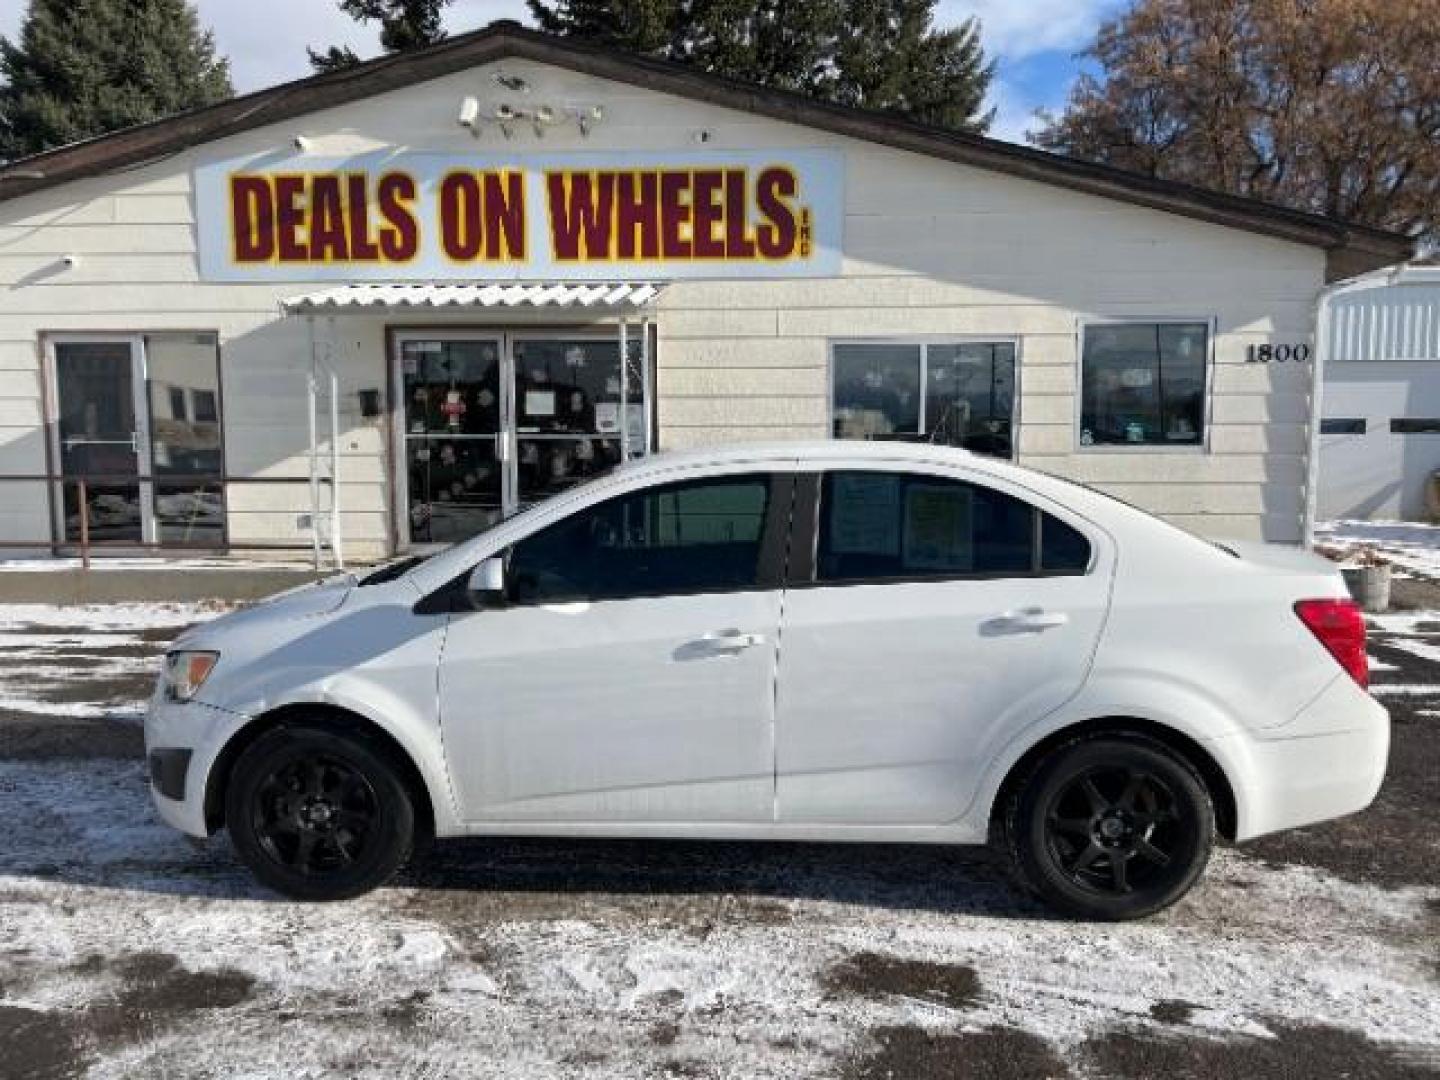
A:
(831, 642)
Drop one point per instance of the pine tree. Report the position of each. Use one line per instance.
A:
(875, 54)
(404, 24)
(85, 67)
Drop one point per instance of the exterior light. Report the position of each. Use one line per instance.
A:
(302, 143)
(469, 117)
(585, 116)
(542, 118)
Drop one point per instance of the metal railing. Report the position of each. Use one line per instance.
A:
(84, 483)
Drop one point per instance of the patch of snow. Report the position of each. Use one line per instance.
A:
(1409, 545)
(1404, 688)
(1425, 650)
(489, 986)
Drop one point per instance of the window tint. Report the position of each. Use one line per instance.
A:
(681, 538)
(877, 525)
(1342, 426)
(1414, 426)
(1143, 384)
(1062, 549)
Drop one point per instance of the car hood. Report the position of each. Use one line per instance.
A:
(303, 602)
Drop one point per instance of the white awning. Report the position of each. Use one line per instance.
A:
(612, 297)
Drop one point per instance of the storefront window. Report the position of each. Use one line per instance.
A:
(1143, 384)
(952, 394)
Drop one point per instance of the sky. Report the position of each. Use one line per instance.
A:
(1034, 41)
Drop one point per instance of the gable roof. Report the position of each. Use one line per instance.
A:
(1351, 249)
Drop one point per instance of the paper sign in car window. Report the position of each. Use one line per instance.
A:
(939, 527)
(865, 514)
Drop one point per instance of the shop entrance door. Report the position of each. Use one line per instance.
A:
(138, 417)
(494, 422)
(98, 425)
(453, 414)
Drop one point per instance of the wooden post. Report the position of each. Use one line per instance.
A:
(84, 524)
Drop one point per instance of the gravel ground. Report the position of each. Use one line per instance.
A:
(127, 951)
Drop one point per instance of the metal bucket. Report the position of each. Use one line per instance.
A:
(1369, 585)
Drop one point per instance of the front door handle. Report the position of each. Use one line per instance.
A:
(1031, 620)
(732, 640)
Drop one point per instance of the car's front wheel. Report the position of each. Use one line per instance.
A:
(318, 815)
(1112, 827)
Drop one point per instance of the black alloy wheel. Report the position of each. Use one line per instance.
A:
(1111, 828)
(315, 814)
(319, 815)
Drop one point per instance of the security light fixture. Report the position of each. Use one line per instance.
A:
(585, 116)
(303, 143)
(469, 117)
(541, 118)
(506, 114)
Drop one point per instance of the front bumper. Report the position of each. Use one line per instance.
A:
(182, 741)
(1328, 762)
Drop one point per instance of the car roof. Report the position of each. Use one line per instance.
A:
(817, 450)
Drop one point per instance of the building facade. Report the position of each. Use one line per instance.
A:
(1380, 412)
(379, 309)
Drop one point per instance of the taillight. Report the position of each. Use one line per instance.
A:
(1340, 626)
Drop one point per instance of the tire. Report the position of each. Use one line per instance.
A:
(319, 815)
(1110, 828)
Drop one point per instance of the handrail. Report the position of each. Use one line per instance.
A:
(83, 482)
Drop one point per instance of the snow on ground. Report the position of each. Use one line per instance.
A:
(497, 985)
(1410, 545)
(127, 951)
(107, 648)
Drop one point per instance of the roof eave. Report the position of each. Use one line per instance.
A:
(1350, 249)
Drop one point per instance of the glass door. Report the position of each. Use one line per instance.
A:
(453, 419)
(100, 438)
(568, 409)
(182, 372)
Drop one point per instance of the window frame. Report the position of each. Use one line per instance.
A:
(924, 342)
(770, 562)
(805, 543)
(1203, 446)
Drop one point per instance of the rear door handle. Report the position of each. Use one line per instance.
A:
(732, 640)
(1031, 620)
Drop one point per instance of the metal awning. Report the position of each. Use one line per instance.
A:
(611, 297)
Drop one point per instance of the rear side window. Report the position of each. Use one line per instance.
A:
(1063, 550)
(699, 536)
(877, 526)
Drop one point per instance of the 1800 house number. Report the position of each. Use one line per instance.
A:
(1278, 354)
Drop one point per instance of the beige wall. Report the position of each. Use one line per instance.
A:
(931, 249)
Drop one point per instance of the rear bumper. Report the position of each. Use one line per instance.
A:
(1328, 762)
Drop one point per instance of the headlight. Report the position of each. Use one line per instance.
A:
(186, 672)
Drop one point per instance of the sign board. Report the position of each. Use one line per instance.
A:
(396, 216)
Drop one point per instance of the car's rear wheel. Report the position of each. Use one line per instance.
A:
(317, 815)
(1113, 827)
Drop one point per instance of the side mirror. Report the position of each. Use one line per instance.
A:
(487, 583)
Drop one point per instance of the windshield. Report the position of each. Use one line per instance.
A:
(401, 566)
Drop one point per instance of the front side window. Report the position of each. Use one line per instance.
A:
(950, 394)
(695, 537)
(1143, 384)
(877, 526)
